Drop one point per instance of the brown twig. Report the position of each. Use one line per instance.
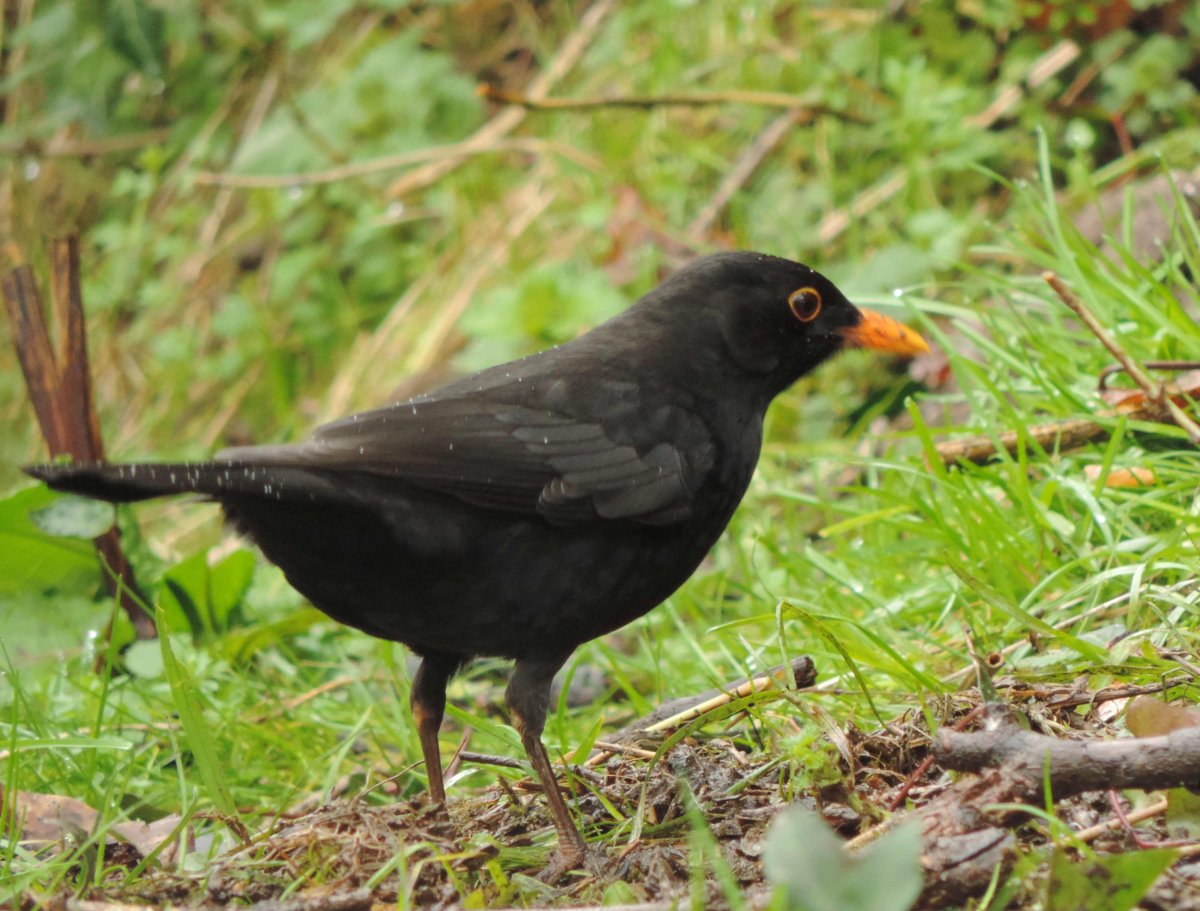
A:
(504, 762)
(919, 772)
(1060, 436)
(966, 827)
(777, 677)
(1118, 692)
(59, 383)
(1056, 436)
(1091, 833)
(1155, 394)
(455, 151)
(1076, 304)
(678, 99)
(1126, 822)
(1111, 369)
(1047, 65)
(88, 147)
(745, 167)
(624, 749)
(799, 673)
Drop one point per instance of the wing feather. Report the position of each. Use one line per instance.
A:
(517, 457)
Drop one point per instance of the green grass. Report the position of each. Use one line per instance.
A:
(224, 315)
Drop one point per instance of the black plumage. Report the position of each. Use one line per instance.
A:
(538, 504)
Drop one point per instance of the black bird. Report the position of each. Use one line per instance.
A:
(528, 508)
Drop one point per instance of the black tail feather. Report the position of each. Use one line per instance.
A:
(219, 480)
(129, 483)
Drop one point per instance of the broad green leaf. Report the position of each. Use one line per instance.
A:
(75, 517)
(811, 863)
(1114, 882)
(202, 596)
(29, 557)
(191, 716)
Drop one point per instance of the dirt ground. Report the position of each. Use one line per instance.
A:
(356, 853)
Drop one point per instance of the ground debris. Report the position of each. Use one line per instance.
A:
(352, 853)
(634, 810)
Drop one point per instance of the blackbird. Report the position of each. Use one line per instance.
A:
(535, 505)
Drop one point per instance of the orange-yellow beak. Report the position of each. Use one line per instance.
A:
(882, 333)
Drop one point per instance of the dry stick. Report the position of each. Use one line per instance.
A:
(1122, 692)
(745, 166)
(504, 762)
(798, 673)
(1056, 435)
(1156, 394)
(1073, 432)
(520, 209)
(82, 148)
(919, 772)
(624, 749)
(191, 268)
(1091, 833)
(60, 389)
(1102, 379)
(1046, 66)
(750, 687)
(378, 345)
(1089, 319)
(454, 151)
(682, 99)
(1143, 843)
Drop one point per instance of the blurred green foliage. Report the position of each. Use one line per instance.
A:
(223, 310)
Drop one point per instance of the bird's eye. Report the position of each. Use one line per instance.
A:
(805, 304)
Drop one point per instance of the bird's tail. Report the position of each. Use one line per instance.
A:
(129, 483)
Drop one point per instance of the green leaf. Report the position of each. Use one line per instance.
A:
(817, 873)
(191, 716)
(75, 517)
(29, 557)
(202, 596)
(1115, 882)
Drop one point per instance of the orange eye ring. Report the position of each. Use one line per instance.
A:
(805, 304)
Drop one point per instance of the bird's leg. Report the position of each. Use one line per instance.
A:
(528, 697)
(427, 700)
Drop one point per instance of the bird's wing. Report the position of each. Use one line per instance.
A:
(521, 457)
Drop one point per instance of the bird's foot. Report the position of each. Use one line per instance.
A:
(591, 858)
(561, 863)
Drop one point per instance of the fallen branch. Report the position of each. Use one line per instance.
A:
(966, 827)
(1071, 767)
(1056, 436)
(85, 147)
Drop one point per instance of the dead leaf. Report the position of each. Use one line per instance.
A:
(45, 819)
(1150, 717)
(1123, 477)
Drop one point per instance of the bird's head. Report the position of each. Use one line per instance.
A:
(777, 319)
